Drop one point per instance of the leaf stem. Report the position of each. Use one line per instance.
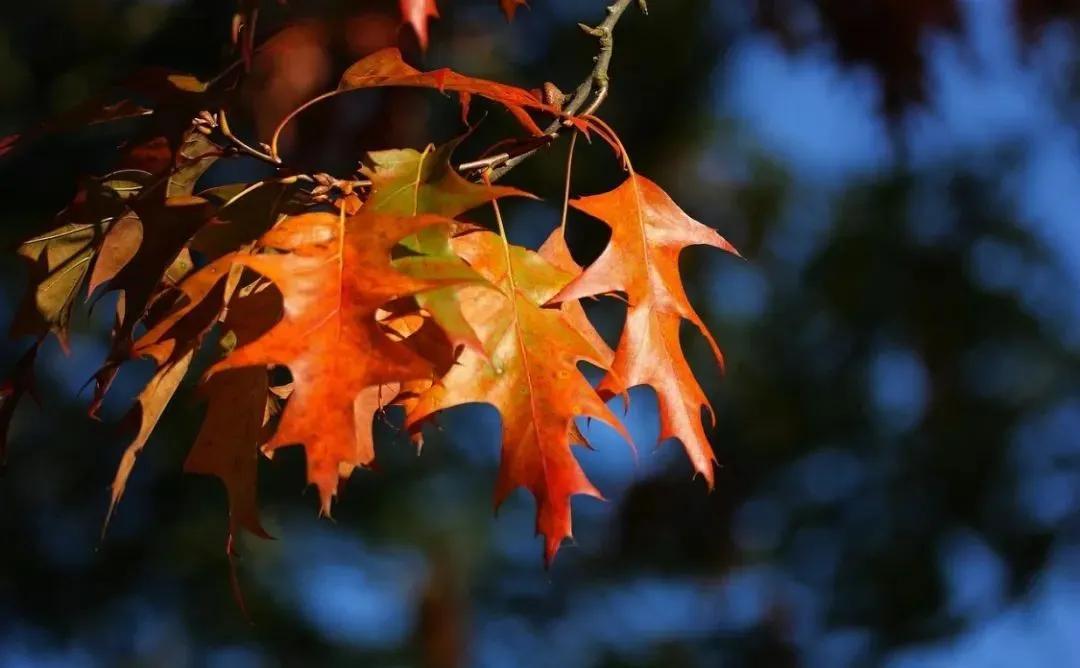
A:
(566, 190)
(241, 145)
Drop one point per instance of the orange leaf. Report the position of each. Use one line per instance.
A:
(531, 378)
(202, 298)
(648, 233)
(334, 276)
(416, 13)
(172, 344)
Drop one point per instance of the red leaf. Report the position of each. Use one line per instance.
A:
(386, 68)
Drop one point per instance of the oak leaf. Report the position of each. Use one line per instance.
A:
(648, 233)
(386, 68)
(334, 274)
(531, 378)
(239, 406)
(410, 182)
(146, 413)
(167, 226)
(172, 344)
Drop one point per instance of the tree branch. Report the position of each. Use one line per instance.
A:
(597, 80)
(595, 86)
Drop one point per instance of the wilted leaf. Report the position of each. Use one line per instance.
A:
(167, 227)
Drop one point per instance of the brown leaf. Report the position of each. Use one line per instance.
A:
(227, 446)
(146, 412)
(168, 225)
(59, 263)
(202, 299)
(121, 242)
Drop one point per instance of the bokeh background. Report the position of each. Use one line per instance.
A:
(898, 425)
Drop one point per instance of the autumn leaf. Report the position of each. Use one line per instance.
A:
(146, 413)
(60, 261)
(334, 275)
(92, 112)
(227, 446)
(416, 13)
(195, 155)
(555, 251)
(245, 212)
(119, 245)
(167, 226)
(648, 233)
(202, 298)
(172, 344)
(386, 68)
(238, 409)
(410, 182)
(532, 379)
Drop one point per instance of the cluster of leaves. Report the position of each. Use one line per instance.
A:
(370, 291)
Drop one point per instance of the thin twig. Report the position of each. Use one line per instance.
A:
(597, 81)
(241, 145)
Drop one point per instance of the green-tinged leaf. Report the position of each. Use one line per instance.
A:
(59, 263)
(410, 182)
